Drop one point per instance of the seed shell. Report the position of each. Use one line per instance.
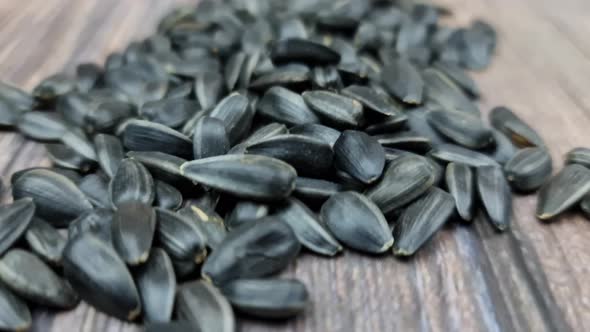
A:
(448, 153)
(141, 135)
(357, 222)
(236, 114)
(14, 313)
(494, 194)
(459, 181)
(156, 283)
(209, 222)
(421, 220)
(30, 278)
(45, 241)
(284, 106)
(371, 99)
(239, 256)
(359, 155)
(203, 305)
(404, 179)
(521, 134)
(42, 126)
(317, 131)
(167, 196)
(180, 237)
(171, 112)
(564, 190)
(98, 222)
(461, 128)
(267, 298)
(248, 176)
(210, 138)
(302, 51)
(315, 190)
(403, 81)
(245, 212)
(96, 189)
(132, 183)
(134, 224)
(334, 108)
(307, 228)
(100, 277)
(15, 218)
(579, 156)
(529, 169)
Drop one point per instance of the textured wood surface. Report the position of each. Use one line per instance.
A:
(469, 278)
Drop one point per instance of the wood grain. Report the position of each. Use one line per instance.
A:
(469, 278)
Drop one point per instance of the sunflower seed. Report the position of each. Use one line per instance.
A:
(267, 298)
(502, 150)
(171, 112)
(494, 194)
(14, 313)
(210, 138)
(180, 237)
(564, 190)
(529, 169)
(285, 106)
(307, 155)
(45, 241)
(421, 220)
(459, 77)
(41, 126)
(464, 129)
(238, 256)
(30, 278)
(109, 151)
(357, 222)
(134, 224)
(162, 166)
(57, 199)
(63, 156)
(96, 189)
(234, 111)
(459, 181)
(406, 140)
(98, 222)
(389, 124)
(245, 212)
(203, 305)
(15, 218)
(166, 196)
(233, 68)
(302, 51)
(307, 228)
(16, 97)
(183, 90)
(580, 156)
(317, 131)
(140, 135)
(79, 143)
(174, 326)
(208, 89)
(52, 87)
(296, 79)
(209, 222)
(156, 283)
(359, 155)
(334, 108)
(107, 116)
(132, 183)
(87, 75)
(86, 258)
(326, 78)
(403, 81)
(521, 134)
(315, 190)
(404, 179)
(268, 131)
(371, 99)
(448, 153)
(440, 90)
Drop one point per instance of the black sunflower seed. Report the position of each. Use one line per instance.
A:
(162, 166)
(404, 179)
(233, 69)
(334, 108)
(302, 51)
(421, 220)
(236, 114)
(448, 153)
(440, 90)
(357, 222)
(239, 254)
(307, 155)
(389, 124)
(45, 241)
(320, 132)
(86, 258)
(133, 225)
(15, 315)
(459, 76)
(42, 126)
(417, 123)
(15, 218)
(107, 116)
(78, 142)
(579, 156)
(180, 237)
(459, 181)
(403, 81)
(326, 78)
(267, 298)
(98, 222)
(296, 79)
(171, 112)
(30, 278)
(15, 96)
(87, 74)
(563, 191)
(140, 135)
(461, 128)
(372, 100)
(109, 152)
(57, 199)
(407, 140)
(529, 169)
(52, 87)
(514, 128)
(208, 221)
(494, 194)
(197, 297)
(96, 189)
(315, 190)
(208, 89)
(156, 283)
(307, 228)
(248, 176)
(65, 157)
(167, 196)
(183, 90)
(210, 138)
(268, 131)
(359, 155)
(132, 183)
(502, 150)
(285, 106)
(245, 212)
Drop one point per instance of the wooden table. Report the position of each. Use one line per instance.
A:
(469, 278)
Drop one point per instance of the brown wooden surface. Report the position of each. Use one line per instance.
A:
(534, 278)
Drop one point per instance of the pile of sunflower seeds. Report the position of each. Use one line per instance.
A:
(200, 161)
